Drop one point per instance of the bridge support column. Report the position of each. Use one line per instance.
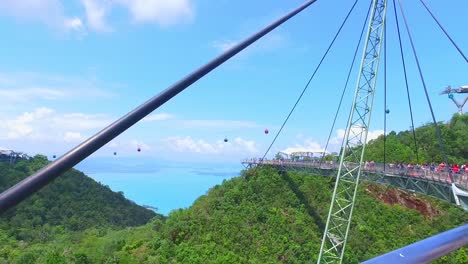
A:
(344, 194)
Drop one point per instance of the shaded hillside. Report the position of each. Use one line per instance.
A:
(400, 146)
(261, 217)
(72, 202)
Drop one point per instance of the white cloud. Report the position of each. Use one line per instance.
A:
(81, 121)
(72, 136)
(42, 10)
(248, 145)
(188, 144)
(308, 146)
(45, 124)
(96, 12)
(26, 94)
(74, 24)
(374, 134)
(162, 12)
(52, 12)
(6, 81)
(158, 117)
(24, 87)
(340, 133)
(21, 126)
(134, 144)
(49, 12)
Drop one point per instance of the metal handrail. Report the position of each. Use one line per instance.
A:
(424, 173)
(426, 250)
(33, 183)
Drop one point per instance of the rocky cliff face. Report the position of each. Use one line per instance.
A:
(403, 198)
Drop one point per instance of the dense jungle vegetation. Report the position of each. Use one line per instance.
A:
(401, 147)
(261, 217)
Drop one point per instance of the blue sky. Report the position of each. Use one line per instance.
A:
(69, 68)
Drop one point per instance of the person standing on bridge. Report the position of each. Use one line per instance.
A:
(441, 167)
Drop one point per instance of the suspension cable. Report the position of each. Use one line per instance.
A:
(309, 81)
(443, 29)
(36, 181)
(385, 97)
(406, 83)
(346, 84)
(425, 91)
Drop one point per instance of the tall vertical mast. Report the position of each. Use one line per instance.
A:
(344, 194)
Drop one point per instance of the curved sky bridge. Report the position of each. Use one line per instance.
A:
(372, 40)
(433, 183)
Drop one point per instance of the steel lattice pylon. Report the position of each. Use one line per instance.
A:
(344, 194)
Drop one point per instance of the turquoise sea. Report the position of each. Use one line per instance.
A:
(166, 186)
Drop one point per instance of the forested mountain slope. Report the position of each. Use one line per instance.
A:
(260, 217)
(73, 202)
(401, 147)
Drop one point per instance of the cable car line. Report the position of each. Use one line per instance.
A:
(443, 29)
(346, 84)
(309, 81)
(386, 111)
(439, 136)
(407, 86)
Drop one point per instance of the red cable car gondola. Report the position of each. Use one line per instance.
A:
(266, 131)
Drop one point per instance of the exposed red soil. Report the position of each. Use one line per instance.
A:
(407, 199)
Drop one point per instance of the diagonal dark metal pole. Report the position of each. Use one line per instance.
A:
(33, 183)
(428, 249)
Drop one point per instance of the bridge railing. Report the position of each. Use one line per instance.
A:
(423, 172)
(428, 249)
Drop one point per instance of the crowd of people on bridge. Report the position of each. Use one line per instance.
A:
(433, 171)
(442, 167)
(371, 165)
